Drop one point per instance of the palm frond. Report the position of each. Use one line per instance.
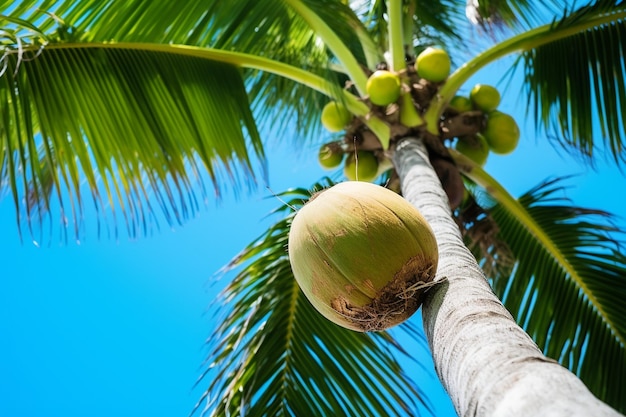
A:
(569, 293)
(433, 22)
(265, 28)
(272, 30)
(273, 354)
(577, 85)
(438, 22)
(494, 15)
(127, 127)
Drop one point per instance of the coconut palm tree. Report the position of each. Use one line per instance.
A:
(130, 104)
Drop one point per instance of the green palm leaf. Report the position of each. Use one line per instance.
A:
(577, 85)
(131, 123)
(273, 354)
(265, 28)
(569, 293)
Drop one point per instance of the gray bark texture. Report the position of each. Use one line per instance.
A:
(487, 363)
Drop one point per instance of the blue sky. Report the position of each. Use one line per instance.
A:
(117, 328)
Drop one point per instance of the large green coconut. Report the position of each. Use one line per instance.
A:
(362, 255)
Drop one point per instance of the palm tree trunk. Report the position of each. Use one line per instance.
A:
(486, 362)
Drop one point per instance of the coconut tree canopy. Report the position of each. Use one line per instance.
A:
(148, 109)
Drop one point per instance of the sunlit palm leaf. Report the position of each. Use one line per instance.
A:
(570, 299)
(273, 354)
(133, 125)
(266, 28)
(577, 85)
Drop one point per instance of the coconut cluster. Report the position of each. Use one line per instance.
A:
(499, 133)
(472, 124)
(362, 255)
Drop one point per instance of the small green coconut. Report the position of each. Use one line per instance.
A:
(362, 166)
(485, 97)
(330, 155)
(502, 132)
(362, 255)
(433, 64)
(383, 87)
(335, 116)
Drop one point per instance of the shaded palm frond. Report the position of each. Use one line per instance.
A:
(125, 127)
(433, 22)
(568, 293)
(495, 15)
(577, 85)
(271, 29)
(274, 354)
(438, 22)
